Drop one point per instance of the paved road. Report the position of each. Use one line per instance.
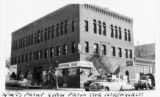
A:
(60, 89)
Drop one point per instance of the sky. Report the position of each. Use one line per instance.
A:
(15, 14)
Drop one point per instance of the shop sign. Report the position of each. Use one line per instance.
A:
(129, 63)
(75, 64)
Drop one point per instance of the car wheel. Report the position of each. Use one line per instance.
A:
(106, 89)
(86, 89)
(121, 89)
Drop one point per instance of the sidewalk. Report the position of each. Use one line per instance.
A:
(70, 89)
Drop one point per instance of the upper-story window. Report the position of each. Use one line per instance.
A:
(130, 54)
(99, 25)
(38, 37)
(96, 48)
(126, 53)
(46, 53)
(113, 51)
(30, 56)
(51, 52)
(112, 31)
(41, 36)
(104, 28)
(120, 52)
(57, 32)
(58, 50)
(86, 47)
(125, 34)
(129, 35)
(73, 47)
(49, 31)
(52, 32)
(73, 25)
(66, 27)
(120, 33)
(61, 28)
(103, 49)
(116, 32)
(26, 57)
(22, 58)
(39, 53)
(94, 26)
(65, 48)
(86, 25)
(45, 34)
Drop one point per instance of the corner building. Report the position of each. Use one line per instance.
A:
(73, 33)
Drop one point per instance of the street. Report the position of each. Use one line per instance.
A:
(60, 89)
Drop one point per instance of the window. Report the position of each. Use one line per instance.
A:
(38, 37)
(18, 59)
(103, 49)
(129, 35)
(31, 39)
(116, 32)
(125, 34)
(58, 50)
(52, 32)
(35, 55)
(39, 54)
(65, 49)
(94, 26)
(104, 29)
(51, 52)
(120, 34)
(99, 25)
(26, 57)
(120, 52)
(45, 32)
(66, 27)
(73, 25)
(112, 31)
(49, 31)
(96, 48)
(86, 25)
(15, 60)
(22, 58)
(130, 54)
(73, 47)
(57, 33)
(46, 53)
(41, 36)
(113, 51)
(126, 53)
(30, 56)
(61, 28)
(86, 47)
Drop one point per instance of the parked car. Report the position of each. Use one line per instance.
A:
(104, 84)
(24, 83)
(144, 82)
(11, 83)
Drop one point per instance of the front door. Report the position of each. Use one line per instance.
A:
(38, 74)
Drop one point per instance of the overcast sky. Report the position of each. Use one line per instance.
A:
(15, 14)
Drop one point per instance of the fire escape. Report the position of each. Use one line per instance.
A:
(99, 63)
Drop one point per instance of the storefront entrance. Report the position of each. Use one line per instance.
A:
(38, 74)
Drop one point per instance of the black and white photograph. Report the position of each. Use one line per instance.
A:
(79, 48)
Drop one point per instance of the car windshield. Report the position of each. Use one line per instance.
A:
(143, 78)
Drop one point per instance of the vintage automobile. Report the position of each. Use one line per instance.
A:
(143, 82)
(12, 83)
(29, 84)
(104, 84)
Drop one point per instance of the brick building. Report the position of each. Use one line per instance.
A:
(73, 33)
